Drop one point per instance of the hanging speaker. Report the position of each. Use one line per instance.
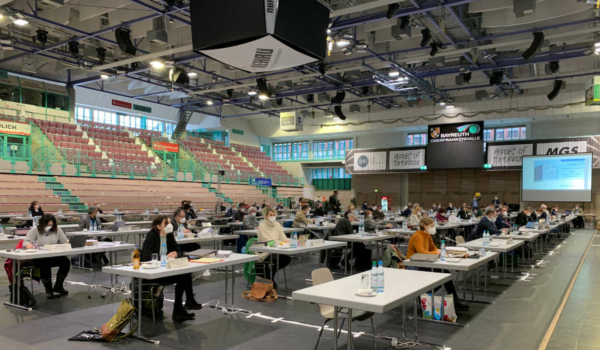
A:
(558, 85)
(536, 46)
(339, 113)
(180, 76)
(497, 77)
(124, 40)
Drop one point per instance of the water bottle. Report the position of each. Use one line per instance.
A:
(537, 225)
(381, 278)
(1, 230)
(485, 238)
(179, 232)
(294, 242)
(163, 257)
(443, 254)
(405, 225)
(374, 278)
(361, 231)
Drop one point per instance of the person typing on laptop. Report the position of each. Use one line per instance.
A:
(48, 232)
(422, 243)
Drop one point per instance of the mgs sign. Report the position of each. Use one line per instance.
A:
(562, 147)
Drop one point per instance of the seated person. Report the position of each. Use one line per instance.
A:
(238, 215)
(180, 220)
(542, 214)
(271, 230)
(422, 243)
(487, 223)
(406, 212)
(578, 221)
(361, 255)
(441, 215)
(300, 219)
(35, 209)
(365, 205)
(450, 207)
(190, 214)
(434, 207)
(48, 232)
(160, 240)
(370, 224)
(279, 206)
(462, 212)
(415, 218)
(502, 219)
(97, 205)
(477, 213)
(250, 222)
(524, 217)
(555, 210)
(90, 221)
(378, 213)
(229, 211)
(319, 211)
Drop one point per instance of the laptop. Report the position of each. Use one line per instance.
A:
(117, 225)
(78, 241)
(424, 257)
(567, 212)
(529, 225)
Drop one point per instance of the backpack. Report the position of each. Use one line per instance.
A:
(111, 330)
(393, 258)
(26, 298)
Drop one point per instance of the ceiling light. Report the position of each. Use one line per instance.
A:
(263, 88)
(104, 76)
(347, 36)
(209, 102)
(342, 42)
(157, 64)
(1, 16)
(442, 103)
(252, 92)
(263, 97)
(20, 22)
(328, 31)
(394, 74)
(192, 74)
(449, 106)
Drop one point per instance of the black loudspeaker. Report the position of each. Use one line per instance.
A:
(124, 40)
(310, 98)
(497, 77)
(426, 37)
(338, 112)
(259, 35)
(339, 97)
(536, 46)
(558, 85)
(180, 76)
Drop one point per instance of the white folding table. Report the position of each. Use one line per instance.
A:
(352, 238)
(498, 245)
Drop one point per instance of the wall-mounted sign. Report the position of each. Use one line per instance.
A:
(592, 92)
(257, 181)
(238, 132)
(57, 89)
(457, 132)
(561, 147)
(142, 108)
(508, 155)
(407, 159)
(32, 84)
(121, 104)
(20, 106)
(3, 74)
(15, 128)
(165, 146)
(370, 161)
(9, 80)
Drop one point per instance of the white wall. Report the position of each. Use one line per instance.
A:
(249, 138)
(381, 140)
(565, 128)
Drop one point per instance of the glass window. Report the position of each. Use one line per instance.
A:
(33, 97)
(330, 173)
(416, 139)
(56, 101)
(10, 93)
(331, 149)
(291, 151)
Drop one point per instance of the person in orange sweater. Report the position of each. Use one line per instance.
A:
(422, 243)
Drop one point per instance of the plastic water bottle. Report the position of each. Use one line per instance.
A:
(374, 277)
(485, 238)
(381, 278)
(163, 257)
(537, 225)
(179, 232)
(361, 231)
(443, 254)
(1, 229)
(405, 225)
(294, 241)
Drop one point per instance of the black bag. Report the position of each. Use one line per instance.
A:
(87, 262)
(159, 298)
(26, 298)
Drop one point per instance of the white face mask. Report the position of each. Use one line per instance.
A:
(505, 214)
(253, 214)
(528, 214)
(271, 218)
(370, 216)
(431, 230)
(48, 228)
(169, 228)
(182, 220)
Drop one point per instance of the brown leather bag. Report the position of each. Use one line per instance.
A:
(262, 290)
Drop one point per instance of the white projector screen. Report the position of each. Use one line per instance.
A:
(557, 178)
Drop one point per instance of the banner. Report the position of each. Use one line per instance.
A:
(121, 104)
(165, 146)
(508, 155)
(370, 161)
(257, 181)
(15, 128)
(457, 132)
(561, 147)
(407, 159)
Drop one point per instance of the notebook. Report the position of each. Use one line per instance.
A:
(424, 257)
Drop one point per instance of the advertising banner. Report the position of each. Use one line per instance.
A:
(457, 132)
(15, 128)
(165, 146)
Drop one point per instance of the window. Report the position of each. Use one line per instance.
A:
(33, 97)
(330, 173)
(331, 149)
(416, 139)
(512, 133)
(266, 149)
(83, 114)
(169, 129)
(56, 101)
(290, 151)
(130, 121)
(10, 93)
(154, 125)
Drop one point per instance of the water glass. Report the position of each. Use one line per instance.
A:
(365, 281)
(154, 258)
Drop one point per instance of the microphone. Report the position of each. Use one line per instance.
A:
(450, 239)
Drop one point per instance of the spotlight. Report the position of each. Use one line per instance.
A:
(209, 102)
(134, 66)
(426, 37)
(42, 36)
(74, 48)
(342, 42)
(157, 64)
(104, 76)
(435, 47)
(467, 77)
(322, 68)
(442, 103)
(404, 22)
(394, 74)
(230, 93)
(365, 90)
(20, 22)
(192, 74)
(179, 76)
(101, 54)
(252, 92)
(497, 77)
(263, 88)
(328, 31)
(558, 85)
(536, 46)
(552, 67)
(392, 9)
(338, 112)
(339, 97)
(310, 98)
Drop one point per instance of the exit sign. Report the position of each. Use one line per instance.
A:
(3, 74)
(239, 132)
(487, 166)
(142, 108)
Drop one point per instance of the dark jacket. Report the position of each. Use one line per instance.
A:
(496, 202)
(152, 245)
(502, 222)
(319, 212)
(449, 209)
(190, 215)
(462, 214)
(378, 215)
(406, 213)
(343, 227)
(334, 203)
(365, 206)
(34, 212)
(86, 221)
(522, 219)
(534, 217)
(237, 216)
(229, 212)
(486, 225)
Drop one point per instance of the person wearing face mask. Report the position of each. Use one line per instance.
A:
(370, 224)
(250, 222)
(406, 212)
(319, 211)
(300, 219)
(365, 205)
(378, 213)
(271, 230)
(487, 223)
(578, 221)
(523, 217)
(496, 202)
(441, 215)
(91, 220)
(35, 209)
(48, 232)
(450, 207)
(462, 212)
(415, 218)
(238, 215)
(422, 243)
(162, 233)
(502, 219)
(190, 214)
(177, 220)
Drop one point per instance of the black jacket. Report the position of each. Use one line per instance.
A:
(486, 225)
(34, 212)
(190, 215)
(343, 227)
(378, 215)
(237, 216)
(334, 203)
(502, 222)
(462, 214)
(534, 216)
(522, 219)
(406, 213)
(152, 245)
(319, 212)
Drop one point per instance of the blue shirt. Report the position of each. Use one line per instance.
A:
(163, 245)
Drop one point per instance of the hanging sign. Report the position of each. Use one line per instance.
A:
(165, 146)
(457, 132)
(121, 104)
(407, 159)
(15, 128)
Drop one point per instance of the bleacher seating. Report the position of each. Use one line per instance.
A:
(68, 141)
(240, 193)
(18, 191)
(264, 163)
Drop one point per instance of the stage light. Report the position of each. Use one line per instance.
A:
(263, 97)
(426, 37)
(20, 22)
(404, 22)
(209, 102)
(101, 54)
(42, 36)
(74, 48)
(393, 74)
(435, 47)
(252, 93)
(192, 74)
(104, 76)
(263, 88)
(157, 64)
(497, 77)
(342, 43)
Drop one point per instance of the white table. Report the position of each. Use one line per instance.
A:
(129, 223)
(401, 287)
(401, 231)
(10, 239)
(502, 247)
(216, 238)
(255, 232)
(352, 238)
(109, 233)
(152, 274)
(19, 255)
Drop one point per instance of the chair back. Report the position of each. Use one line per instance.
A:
(320, 276)
(460, 239)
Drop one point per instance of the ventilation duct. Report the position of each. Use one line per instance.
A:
(522, 8)
(436, 62)
(324, 97)
(400, 33)
(158, 34)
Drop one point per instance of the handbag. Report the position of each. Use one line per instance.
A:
(262, 290)
(111, 330)
(449, 311)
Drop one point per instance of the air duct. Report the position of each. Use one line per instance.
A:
(522, 8)
(158, 34)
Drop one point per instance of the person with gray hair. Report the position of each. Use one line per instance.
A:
(90, 221)
(487, 223)
(250, 222)
(362, 255)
